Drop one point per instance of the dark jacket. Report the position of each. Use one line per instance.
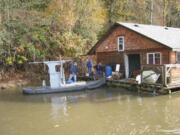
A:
(99, 67)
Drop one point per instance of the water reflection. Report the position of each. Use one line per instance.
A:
(140, 101)
(59, 104)
(58, 107)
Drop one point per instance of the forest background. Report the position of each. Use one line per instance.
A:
(34, 30)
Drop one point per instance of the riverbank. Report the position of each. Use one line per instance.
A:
(13, 84)
(14, 81)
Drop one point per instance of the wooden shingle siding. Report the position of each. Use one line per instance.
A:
(110, 58)
(133, 41)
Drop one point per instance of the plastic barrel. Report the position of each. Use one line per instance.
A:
(108, 71)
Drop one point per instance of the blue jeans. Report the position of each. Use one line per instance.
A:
(73, 77)
(89, 70)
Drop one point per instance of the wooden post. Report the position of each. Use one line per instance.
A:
(142, 69)
(162, 74)
(126, 63)
(165, 75)
(44, 66)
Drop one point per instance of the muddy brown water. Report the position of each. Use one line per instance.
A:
(106, 111)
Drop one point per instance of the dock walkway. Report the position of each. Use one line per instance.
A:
(167, 82)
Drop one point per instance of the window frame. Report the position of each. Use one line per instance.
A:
(123, 45)
(154, 58)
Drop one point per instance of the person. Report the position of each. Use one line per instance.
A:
(99, 70)
(89, 65)
(73, 72)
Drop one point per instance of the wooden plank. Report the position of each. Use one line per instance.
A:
(165, 75)
(173, 86)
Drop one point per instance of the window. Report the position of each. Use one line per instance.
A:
(178, 57)
(57, 68)
(153, 58)
(150, 59)
(121, 43)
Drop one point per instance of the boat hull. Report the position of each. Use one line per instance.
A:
(80, 86)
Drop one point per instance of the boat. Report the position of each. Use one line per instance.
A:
(58, 83)
(150, 76)
(78, 86)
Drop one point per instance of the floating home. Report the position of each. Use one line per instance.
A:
(138, 48)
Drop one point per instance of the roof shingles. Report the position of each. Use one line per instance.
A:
(168, 36)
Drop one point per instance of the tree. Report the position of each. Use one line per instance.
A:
(15, 27)
(129, 11)
(38, 29)
(91, 18)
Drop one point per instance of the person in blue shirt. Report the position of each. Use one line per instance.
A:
(89, 66)
(73, 72)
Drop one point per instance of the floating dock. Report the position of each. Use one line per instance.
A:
(168, 80)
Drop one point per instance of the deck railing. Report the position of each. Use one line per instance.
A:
(168, 74)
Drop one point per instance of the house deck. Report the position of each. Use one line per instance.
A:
(168, 81)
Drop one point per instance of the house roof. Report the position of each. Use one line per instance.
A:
(167, 36)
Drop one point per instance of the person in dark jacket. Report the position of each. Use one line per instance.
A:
(73, 72)
(89, 66)
(99, 70)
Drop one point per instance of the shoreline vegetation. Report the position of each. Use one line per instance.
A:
(14, 81)
(21, 79)
(34, 74)
(37, 30)
(11, 78)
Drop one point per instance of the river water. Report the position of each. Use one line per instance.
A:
(106, 111)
